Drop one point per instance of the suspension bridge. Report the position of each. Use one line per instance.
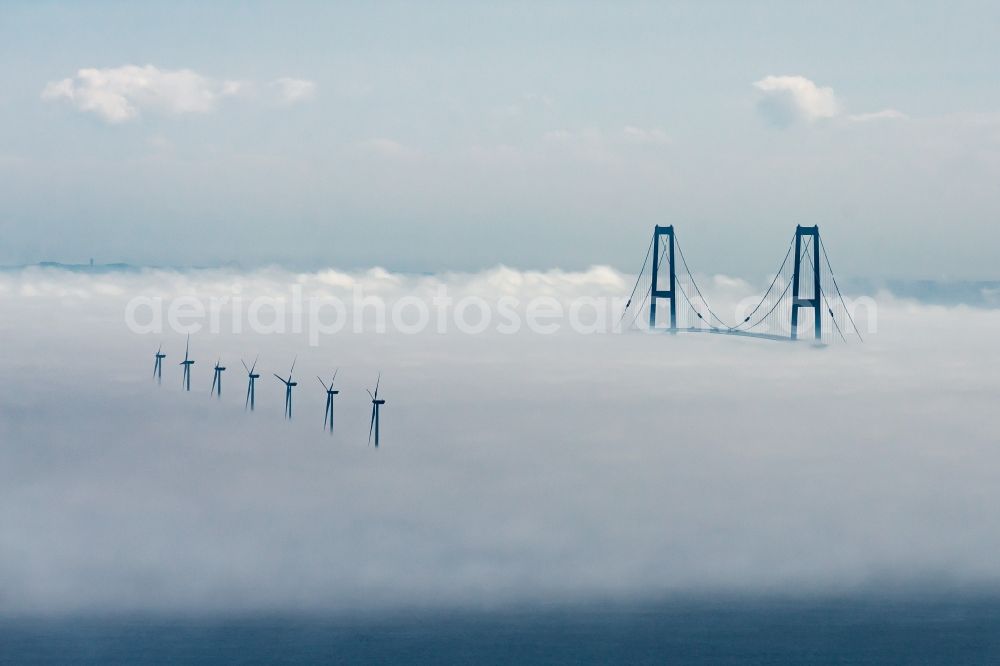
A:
(803, 282)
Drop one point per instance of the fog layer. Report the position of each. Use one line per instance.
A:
(512, 468)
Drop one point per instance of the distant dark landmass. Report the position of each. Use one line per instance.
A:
(977, 293)
(117, 267)
(87, 268)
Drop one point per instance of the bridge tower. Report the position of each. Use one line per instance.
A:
(654, 292)
(814, 302)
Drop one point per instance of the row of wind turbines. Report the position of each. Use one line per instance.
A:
(290, 383)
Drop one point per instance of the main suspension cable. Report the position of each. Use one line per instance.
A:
(781, 298)
(822, 246)
(784, 261)
(638, 277)
(695, 284)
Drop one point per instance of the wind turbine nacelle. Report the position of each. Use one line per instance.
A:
(378, 402)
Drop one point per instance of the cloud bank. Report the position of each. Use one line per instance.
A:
(513, 468)
(121, 94)
(292, 91)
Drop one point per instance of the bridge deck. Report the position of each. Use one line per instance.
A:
(723, 331)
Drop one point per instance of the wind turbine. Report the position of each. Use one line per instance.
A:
(328, 414)
(250, 386)
(187, 363)
(158, 364)
(288, 390)
(376, 403)
(217, 378)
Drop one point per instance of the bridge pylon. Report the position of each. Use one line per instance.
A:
(655, 292)
(811, 233)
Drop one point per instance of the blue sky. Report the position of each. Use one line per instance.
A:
(453, 136)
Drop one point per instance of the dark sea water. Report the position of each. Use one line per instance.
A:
(935, 631)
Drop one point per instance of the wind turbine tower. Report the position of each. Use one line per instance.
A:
(158, 364)
(217, 378)
(187, 363)
(252, 377)
(330, 392)
(288, 390)
(376, 404)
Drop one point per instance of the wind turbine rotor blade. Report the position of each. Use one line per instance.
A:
(215, 378)
(294, 360)
(254, 366)
(280, 378)
(321, 382)
(370, 395)
(245, 366)
(247, 403)
(334, 377)
(371, 426)
(377, 382)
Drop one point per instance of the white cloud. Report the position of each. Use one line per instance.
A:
(159, 143)
(605, 146)
(119, 94)
(590, 144)
(386, 147)
(122, 94)
(561, 136)
(654, 136)
(293, 91)
(786, 100)
(594, 137)
(528, 103)
(230, 88)
(884, 114)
